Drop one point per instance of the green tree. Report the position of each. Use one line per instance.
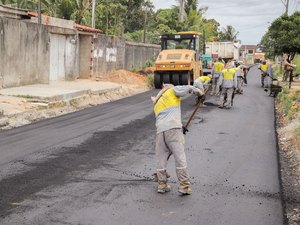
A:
(267, 45)
(211, 29)
(194, 21)
(65, 9)
(190, 5)
(283, 36)
(168, 17)
(110, 17)
(22, 4)
(228, 34)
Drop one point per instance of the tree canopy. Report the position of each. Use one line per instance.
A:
(228, 34)
(283, 36)
(132, 19)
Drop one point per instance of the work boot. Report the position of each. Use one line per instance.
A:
(156, 178)
(185, 189)
(163, 187)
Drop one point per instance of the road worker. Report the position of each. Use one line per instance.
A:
(265, 69)
(228, 83)
(216, 72)
(169, 136)
(288, 67)
(202, 82)
(240, 79)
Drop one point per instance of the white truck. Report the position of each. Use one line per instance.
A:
(226, 50)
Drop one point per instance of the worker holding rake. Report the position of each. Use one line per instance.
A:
(169, 136)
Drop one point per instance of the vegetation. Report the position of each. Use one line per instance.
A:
(136, 20)
(283, 36)
(228, 33)
(290, 103)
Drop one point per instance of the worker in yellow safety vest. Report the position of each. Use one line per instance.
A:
(265, 72)
(239, 73)
(202, 82)
(228, 83)
(216, 72)
(169, 136)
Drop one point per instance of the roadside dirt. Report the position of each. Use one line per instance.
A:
(289, 155)
(23, 110)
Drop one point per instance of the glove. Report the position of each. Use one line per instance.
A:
(197, 92)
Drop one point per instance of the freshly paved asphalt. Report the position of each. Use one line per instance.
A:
(95, 166)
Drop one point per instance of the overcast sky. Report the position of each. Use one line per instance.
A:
(250, 17)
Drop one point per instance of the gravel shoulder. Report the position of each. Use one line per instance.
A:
(289, 157)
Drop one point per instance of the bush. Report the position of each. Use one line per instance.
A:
(150, 80)
(290, 102)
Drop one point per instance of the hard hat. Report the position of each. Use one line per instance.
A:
(263, 61)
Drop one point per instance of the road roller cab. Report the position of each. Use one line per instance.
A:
(178, 62)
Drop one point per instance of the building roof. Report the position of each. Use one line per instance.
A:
(87, 29)
(59, 22)
(16, 13)
(248, 47)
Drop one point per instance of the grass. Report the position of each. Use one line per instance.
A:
(148, 63)
(290, 103)
(150, 80)
(277, 71)
(73, 102)
(42, 107)
(23, 96)
(297, 132)
(297, 62)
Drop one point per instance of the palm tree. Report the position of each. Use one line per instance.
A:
(229, 33)
(181, 10)
(190, 4)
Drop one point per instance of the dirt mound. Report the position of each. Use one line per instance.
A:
(125, 77)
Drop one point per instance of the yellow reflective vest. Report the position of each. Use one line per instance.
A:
(264, 67)
(167, 100)
(204, 79)
(228, 74)
(218, 67)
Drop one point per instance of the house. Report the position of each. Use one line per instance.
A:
(59, 49)
(247, 53)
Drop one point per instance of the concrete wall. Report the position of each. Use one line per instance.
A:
(72, 57)
(112, 53)
(108, 54)
(24, 51)
(136, 54)
(85, 55)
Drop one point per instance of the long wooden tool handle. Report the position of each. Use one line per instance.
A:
(200, 103)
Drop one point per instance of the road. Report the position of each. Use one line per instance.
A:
(95, 166)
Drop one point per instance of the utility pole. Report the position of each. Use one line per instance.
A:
(286, 5)
(93, 13)
(39, 12)
(146, 9)
(145, 26)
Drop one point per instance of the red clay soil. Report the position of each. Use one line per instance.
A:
(125, 77)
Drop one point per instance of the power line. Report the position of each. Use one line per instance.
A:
(295, 6)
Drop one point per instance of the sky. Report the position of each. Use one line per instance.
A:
(250, 17)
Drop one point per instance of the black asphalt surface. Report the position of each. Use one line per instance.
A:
(95, 166)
